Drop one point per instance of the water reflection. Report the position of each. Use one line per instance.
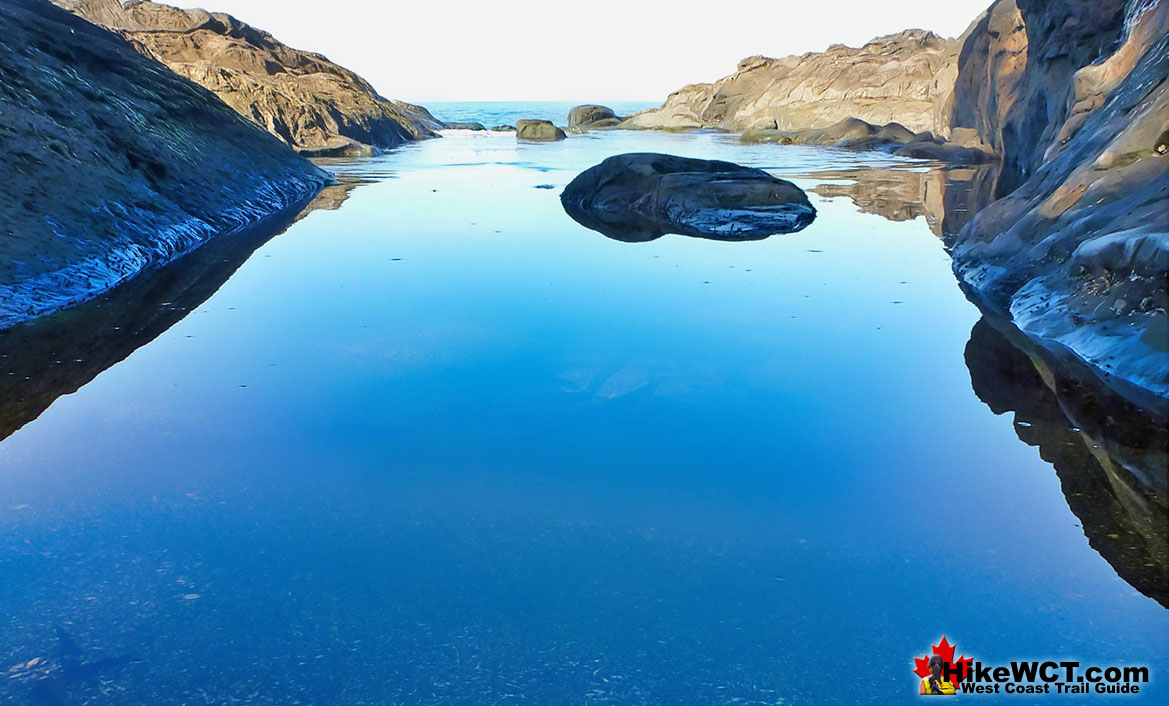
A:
(56, 355)
(1112, 458)
(946, 197)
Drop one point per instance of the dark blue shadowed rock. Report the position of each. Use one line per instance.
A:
(641, 196)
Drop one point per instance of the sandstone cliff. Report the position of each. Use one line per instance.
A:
(1077, 256)
(897, 78)
(314, 105)
(113, 164)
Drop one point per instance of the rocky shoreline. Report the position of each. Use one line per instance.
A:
(317, 107)
(123, 166)
(1070, 99)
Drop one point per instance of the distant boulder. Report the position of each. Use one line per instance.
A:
(538, 131)
(503, 128)
(642, 196)
(477, 127)
(583, 118)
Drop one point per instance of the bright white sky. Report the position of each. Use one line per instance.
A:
(573, 50)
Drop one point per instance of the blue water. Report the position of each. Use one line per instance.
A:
(491, 114)
(442, 445)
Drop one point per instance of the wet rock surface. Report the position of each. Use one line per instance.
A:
(59, 353)
(1077, 255)
(114, 165)
(316, 106)
(641, 196)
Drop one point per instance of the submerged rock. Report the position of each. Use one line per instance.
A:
(538, 131)
(113, 164)
(583, 118)
(476, 127)
(314, 105)
(642, 196)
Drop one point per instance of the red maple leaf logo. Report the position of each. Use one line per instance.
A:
(946, 651)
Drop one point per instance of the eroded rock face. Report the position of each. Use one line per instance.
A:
(1017, 68)
(538, 131)
(1078, 255)
(113, 164)
(898, 78)
(316, 106)
(641, 196)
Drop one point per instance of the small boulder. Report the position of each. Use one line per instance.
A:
(538, 131)
(503, 128)
(477, 127)
(641, 196)
(583, 118)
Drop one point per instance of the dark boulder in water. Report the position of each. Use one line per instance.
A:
(641, 196)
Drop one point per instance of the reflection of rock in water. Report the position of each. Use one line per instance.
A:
(946, 197)
(57, 354)
(1112, 458)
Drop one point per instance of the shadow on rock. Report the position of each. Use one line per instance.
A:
(640, 197)
(56, 355)
(1111, 457)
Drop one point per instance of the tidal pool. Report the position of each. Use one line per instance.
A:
(436, 443)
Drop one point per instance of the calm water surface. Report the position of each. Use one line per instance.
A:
(442, 445)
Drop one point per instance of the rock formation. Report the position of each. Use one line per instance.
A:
(642, 196)
(113, 164)
(1077, 256)
(583, 118)
(316, 106)
(538, 131)
(897, 78)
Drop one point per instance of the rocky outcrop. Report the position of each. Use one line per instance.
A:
(113, 164)
(893, 138)
(898, 78)
(1077, 256)
(642, 196)
(316, 106)
(1016, 75)
(538, 131)
(583, 118)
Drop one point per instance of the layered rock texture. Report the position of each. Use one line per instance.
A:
(1078, 254)
(898, 78)
(316, 106)
(113, 164)
(641, 196)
